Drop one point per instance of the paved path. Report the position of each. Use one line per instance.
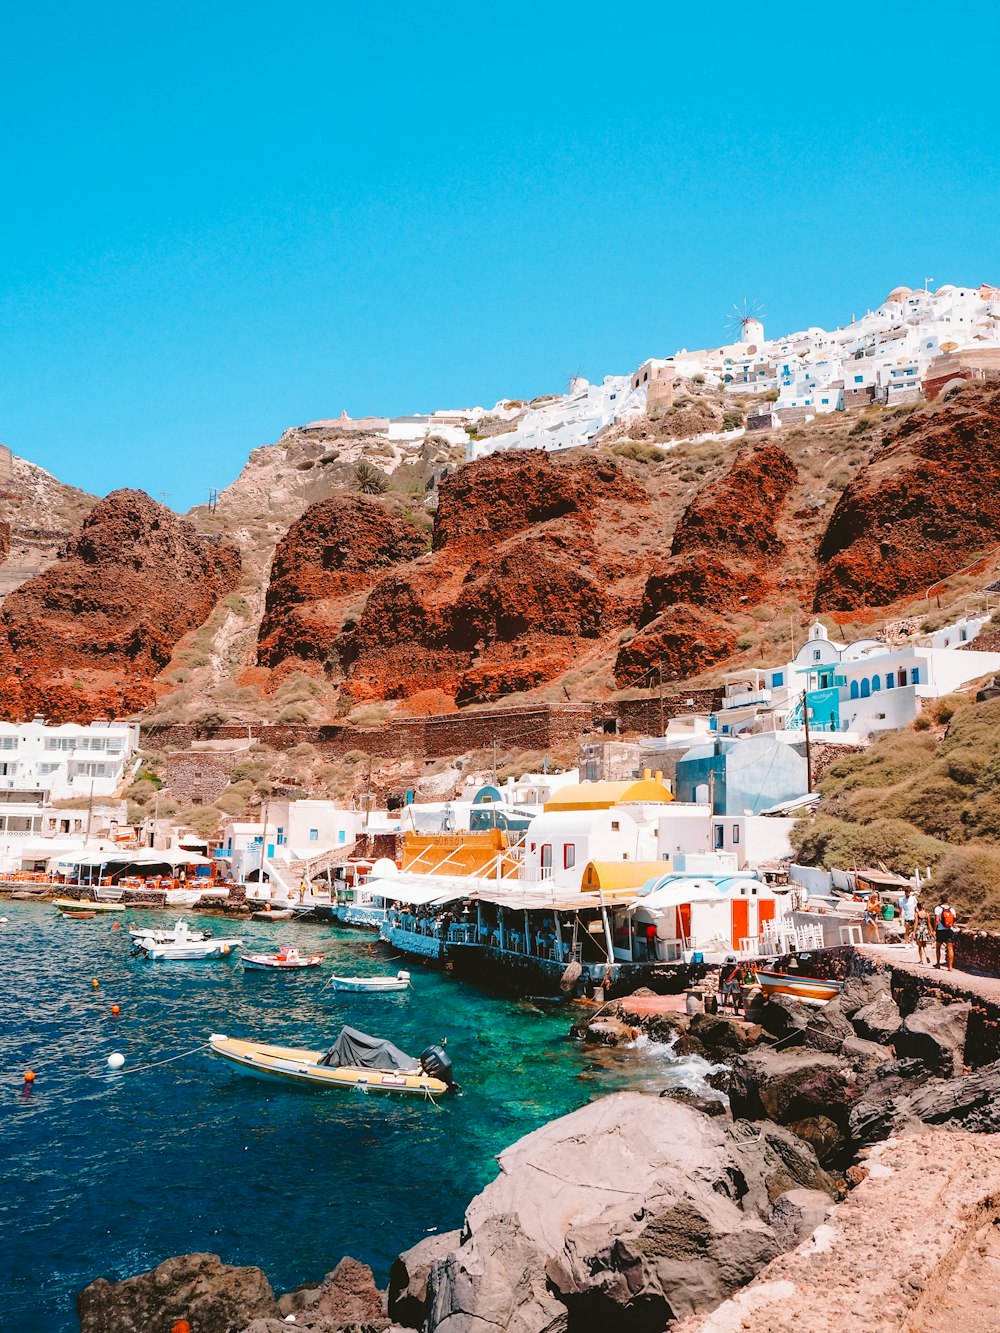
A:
(903, 958)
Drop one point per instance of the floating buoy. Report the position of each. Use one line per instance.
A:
(94, 984)
(115, 925)
(116, 1010)
(29, 1076)
(115, 1060)
(3, 920)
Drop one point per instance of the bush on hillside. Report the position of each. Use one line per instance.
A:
(970, 878)
(827, 841)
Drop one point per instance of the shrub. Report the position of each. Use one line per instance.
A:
(697, 379)
(970, 878)
(231, 802)
(369, 480)
(732, 420)
(295, 714)
(640, 453)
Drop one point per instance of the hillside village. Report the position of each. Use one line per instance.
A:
(299, 675)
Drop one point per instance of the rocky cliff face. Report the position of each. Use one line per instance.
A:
(534, 562)
(87, 636)
(927, 504)
(338, 548)
(725, 556)
(38, 515)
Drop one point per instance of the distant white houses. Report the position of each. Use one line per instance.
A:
(66, 760)
(853, 690)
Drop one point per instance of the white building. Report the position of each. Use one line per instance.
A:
(68, 760)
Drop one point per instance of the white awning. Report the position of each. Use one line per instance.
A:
(423, 890)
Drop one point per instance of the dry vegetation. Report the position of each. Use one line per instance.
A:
(925, 796)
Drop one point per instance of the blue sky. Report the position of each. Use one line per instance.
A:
(221, 220)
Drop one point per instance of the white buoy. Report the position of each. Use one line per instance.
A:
(116, 1060)
(3, 920)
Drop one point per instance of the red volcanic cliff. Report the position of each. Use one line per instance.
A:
(533, 563)
(723, 557)
(339, 547)
(926, 505)
(86, 637)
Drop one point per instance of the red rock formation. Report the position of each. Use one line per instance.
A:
(338, 548)
(86, 637)
(926, 505)
(4, 540)
(530, 568)
(723, 557)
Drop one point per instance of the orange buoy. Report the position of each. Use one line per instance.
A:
(180, 1326)
(115, 925)
(94, 984)
(29, 1076)
(116, 1010)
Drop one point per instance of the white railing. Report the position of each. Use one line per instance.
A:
(782, 939)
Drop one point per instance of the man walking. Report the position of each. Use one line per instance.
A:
(944, 933)
(909, 906)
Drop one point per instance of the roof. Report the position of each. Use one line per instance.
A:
(603, 795)
(611, 876)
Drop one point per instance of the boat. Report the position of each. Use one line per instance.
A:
(77, 916)
(86, 905)
(287, 959)
(278, 914)
(355, 1061)
(184, 948)
(810, 990)
(160, 935)
(373, 985)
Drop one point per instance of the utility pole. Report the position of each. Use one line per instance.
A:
(660, 677)
(494, 759)
(90, 811)
(805, 719)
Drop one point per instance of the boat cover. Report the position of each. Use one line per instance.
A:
(363, 1052)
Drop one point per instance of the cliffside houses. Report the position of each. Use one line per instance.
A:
(68, 760)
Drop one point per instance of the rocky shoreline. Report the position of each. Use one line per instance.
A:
(636, 1212)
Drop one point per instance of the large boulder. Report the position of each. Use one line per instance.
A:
(796, 1215)
(904, 1098)
(826, 1138)
(878, 1021)
(826, 1030)
(935, 1033)
(212, 1296)
(408, 1277)
(724, 1034)
(625, 1214)
(770, 1160)
(788, 1085)
(859, 992)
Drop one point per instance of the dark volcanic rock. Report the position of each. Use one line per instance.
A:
(790, 1085)
(796, 1215)
(210, 1295)
(935, 1033)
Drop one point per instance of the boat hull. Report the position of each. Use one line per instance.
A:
(809, 990)
(190, 953)
(286, 1064)
(85, 905)
(371, 986)
(259, 963)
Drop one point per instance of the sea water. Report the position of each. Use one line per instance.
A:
(106, 1174)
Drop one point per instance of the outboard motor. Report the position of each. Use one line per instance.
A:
(434, 1062)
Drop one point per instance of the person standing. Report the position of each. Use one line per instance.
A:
(922, 933)
(651, 943)
(909, 908)
(944, 933)
(729, 983)
(872, 919)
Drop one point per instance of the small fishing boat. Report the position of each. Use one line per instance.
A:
(355, 1060)
(287, 959)
(182, 932)
(77, 916)
(86, 905)
(184, 948)
(373, 985)
(810, 990)
(272, 914)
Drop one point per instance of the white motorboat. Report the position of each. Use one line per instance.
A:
(287, 959)
(184, 948)
(181, 933)
(372, 985)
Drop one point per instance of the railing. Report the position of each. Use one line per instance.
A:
(782, 939)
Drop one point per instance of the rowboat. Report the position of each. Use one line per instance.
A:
(78, 916)
(86, 905)
(193, 951)
(372, 985)
(355, 1061)
(273, 914)
(287, 959)
(810, 990)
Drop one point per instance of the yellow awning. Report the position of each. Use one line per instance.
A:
(604, 795)
(617, 876)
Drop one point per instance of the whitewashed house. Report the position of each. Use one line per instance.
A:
(66, 760)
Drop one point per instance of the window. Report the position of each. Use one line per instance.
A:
(777, 678)
(569, 856)
(876, 684)
(342, 835)
(314, 835)
(720, 837)
(8, 742)
(915, 676)
(890, 680)
(736, 834)
(615, 826)
(546, 856)
(281, 836)
(964, 635)
(854, 689)
(817, 654)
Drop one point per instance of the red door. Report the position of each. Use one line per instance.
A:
(684, 924)
(741, 920)
(765, 911)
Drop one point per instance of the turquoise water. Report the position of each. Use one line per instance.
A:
(106, 1175)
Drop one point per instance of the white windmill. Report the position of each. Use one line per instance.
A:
(746, 326)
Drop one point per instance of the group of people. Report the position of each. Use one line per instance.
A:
(919, 927)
